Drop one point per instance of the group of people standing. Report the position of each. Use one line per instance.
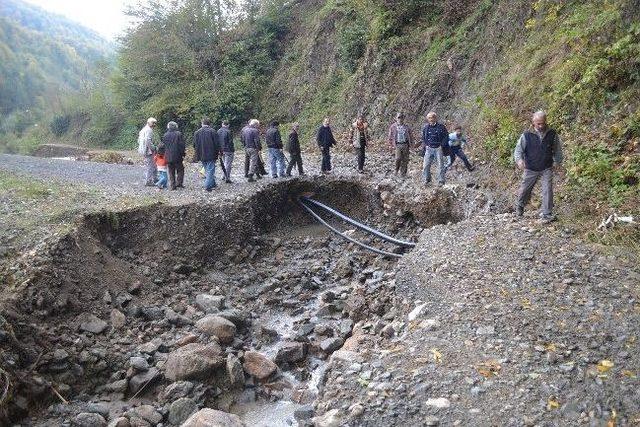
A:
(536, 152)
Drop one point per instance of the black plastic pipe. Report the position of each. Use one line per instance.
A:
(359, 225)
(344, 236)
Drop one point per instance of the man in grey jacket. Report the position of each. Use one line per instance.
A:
(147, 149)
(537, 151)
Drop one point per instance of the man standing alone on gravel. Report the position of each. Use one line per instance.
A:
(207, 149)
(225, 138)
(175, 151)
(293, 147)
(537, 150)
(325, 141)
(148, 150)
(400, 141)
(434, 138)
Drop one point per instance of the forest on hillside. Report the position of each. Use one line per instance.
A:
(43, 58)
(484, 64)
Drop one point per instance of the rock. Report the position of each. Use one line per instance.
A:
(60, 355)
(211, 418)
(485, 330)
(210, 303)
(356, 410)
(331, 418)
(176, 319)
(330, 345)
(140, 380)
(118, 319)
(234, 370)
(98, 408)
(181, 409)
(239, 318)
(304, 413)
(152, 346)
(88, 419)
(119, 422)
(183, 269)
(152, 313)
(177, 390)
(431, 421)
(416, 312)
(135, 421)
(119, 386)
(217, 326)
(258, 365)
(147, 413)
(93, 324)
(440, 402)
(193, 361)
(388, 331)
(139, 364)
(291, 352)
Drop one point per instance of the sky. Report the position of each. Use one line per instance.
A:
(106, 17)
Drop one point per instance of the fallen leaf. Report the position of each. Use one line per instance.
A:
(628, 373)
(489, 368)
(604, 366)
(550, 347)
(552, 403)
(437, 356)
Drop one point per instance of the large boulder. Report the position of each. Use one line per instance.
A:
(291, 352)
(218, 327)
(258, 365)
(208, 417)
(181, 409)
(193, 361)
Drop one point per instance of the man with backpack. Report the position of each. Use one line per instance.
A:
(147, 150)
(536, 152)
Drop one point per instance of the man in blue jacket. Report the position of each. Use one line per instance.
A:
(273, 139)
(434, 138)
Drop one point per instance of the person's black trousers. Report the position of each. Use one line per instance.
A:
(175, 171)
(326, 159)
(360, 158)
(295, 159)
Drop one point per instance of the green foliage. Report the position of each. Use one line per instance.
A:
(60, 125)
(352, 41)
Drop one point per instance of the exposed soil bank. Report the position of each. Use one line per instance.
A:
(100, 311)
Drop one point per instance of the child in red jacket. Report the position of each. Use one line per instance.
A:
(161, 163)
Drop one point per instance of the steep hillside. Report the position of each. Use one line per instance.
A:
(485, 64)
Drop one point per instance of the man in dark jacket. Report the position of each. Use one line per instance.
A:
(174, 154)
(434, 137)
(537, 151)
(207, 148)
(251, 140)
(225, 138)
(273, 140)
(295, 154)
(325, 141)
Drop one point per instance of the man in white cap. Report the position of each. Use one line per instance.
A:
(148, 150)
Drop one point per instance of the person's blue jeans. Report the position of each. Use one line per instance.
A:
(457, 152)
(209, 174)
(430, 155)
(162, 179)
(276, 162)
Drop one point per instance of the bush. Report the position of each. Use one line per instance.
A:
(60, 125)
(351, 41)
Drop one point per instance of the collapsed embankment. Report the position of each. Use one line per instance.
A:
(102, 309)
